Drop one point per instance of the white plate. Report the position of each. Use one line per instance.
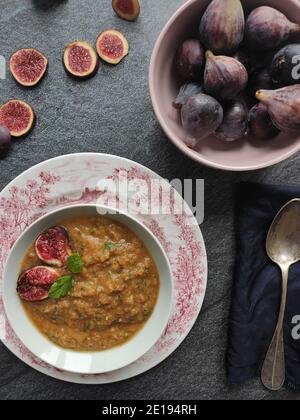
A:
(73, 179)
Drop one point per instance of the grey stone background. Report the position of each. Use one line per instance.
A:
(112, 113)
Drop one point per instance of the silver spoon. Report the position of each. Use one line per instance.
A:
(283, 247)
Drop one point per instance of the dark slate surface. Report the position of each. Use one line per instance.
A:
(112, 113)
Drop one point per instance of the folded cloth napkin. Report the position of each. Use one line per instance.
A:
(257, 288)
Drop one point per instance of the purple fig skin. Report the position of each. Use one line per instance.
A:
(190, 60)
(222, 26)
(201, 115)
(185, 92)
(283, 106)
(224, 77)
(285, 68)
(235, 122)
(260, 123)
(267, 28)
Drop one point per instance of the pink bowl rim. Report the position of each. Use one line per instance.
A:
(173, 137)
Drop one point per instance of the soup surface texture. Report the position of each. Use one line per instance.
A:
(112, 297)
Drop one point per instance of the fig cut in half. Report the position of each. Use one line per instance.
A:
(28, 66)
(127, 9)
(80, 59)
(18, 117)
(53, 246)
(35, 283)
(112, 46)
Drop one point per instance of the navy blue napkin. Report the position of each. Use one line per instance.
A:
(257, 288)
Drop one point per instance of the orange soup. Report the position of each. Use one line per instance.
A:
(110, 299)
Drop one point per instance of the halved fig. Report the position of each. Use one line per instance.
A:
(28, 66)
(35, 283)
(127, 9)
(18, 117)
(80, 59)
(53, 246)
(112, 46)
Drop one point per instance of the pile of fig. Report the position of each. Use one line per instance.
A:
(239, 74)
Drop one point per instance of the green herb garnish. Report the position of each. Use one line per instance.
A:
(75, 264)
(111, 245)
(61, 287)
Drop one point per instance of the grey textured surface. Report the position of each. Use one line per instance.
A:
(112, 113)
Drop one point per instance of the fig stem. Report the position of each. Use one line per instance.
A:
(262, 95)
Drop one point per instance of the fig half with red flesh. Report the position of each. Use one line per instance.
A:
(127, 9)
(112, 46)
(28, 66)
(80, 59)
(53, 246)
(18, 117)
(35, 283)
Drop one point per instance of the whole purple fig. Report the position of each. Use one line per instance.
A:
(190, 60)
(267, 28)
(285, 69)
(260, 123)
(222, 26)
(235, 122)
(185, 92)
(201, 115)
(224, 77)
(283, 106)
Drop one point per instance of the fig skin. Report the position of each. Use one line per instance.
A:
(201, 115)
(260, 123)
(127, 9)
(186, 91)
(283, 106)
(83, 74)
(267, 28)
(190, 60)
(112, 41)
(11, 117)
(222, 26)
(285, 68)
(5, 141)
(28, 66)
(54, 243)
(34, 284)
(235, 122)
(224, 77)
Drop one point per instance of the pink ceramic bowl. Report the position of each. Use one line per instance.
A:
(247, 154)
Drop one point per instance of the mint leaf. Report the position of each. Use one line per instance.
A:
(111, 245)
(61, 287)
(75, 264)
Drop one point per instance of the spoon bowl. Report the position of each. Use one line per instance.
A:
(283, 241)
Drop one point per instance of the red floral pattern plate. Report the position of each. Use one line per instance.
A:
(74, 179)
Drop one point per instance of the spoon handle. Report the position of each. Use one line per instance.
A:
(273, 371)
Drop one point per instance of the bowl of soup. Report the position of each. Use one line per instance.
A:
(88, 289)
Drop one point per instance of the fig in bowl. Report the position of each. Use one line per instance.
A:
(235, 70)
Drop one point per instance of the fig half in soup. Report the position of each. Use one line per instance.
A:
(53, 246)
(34, 284)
